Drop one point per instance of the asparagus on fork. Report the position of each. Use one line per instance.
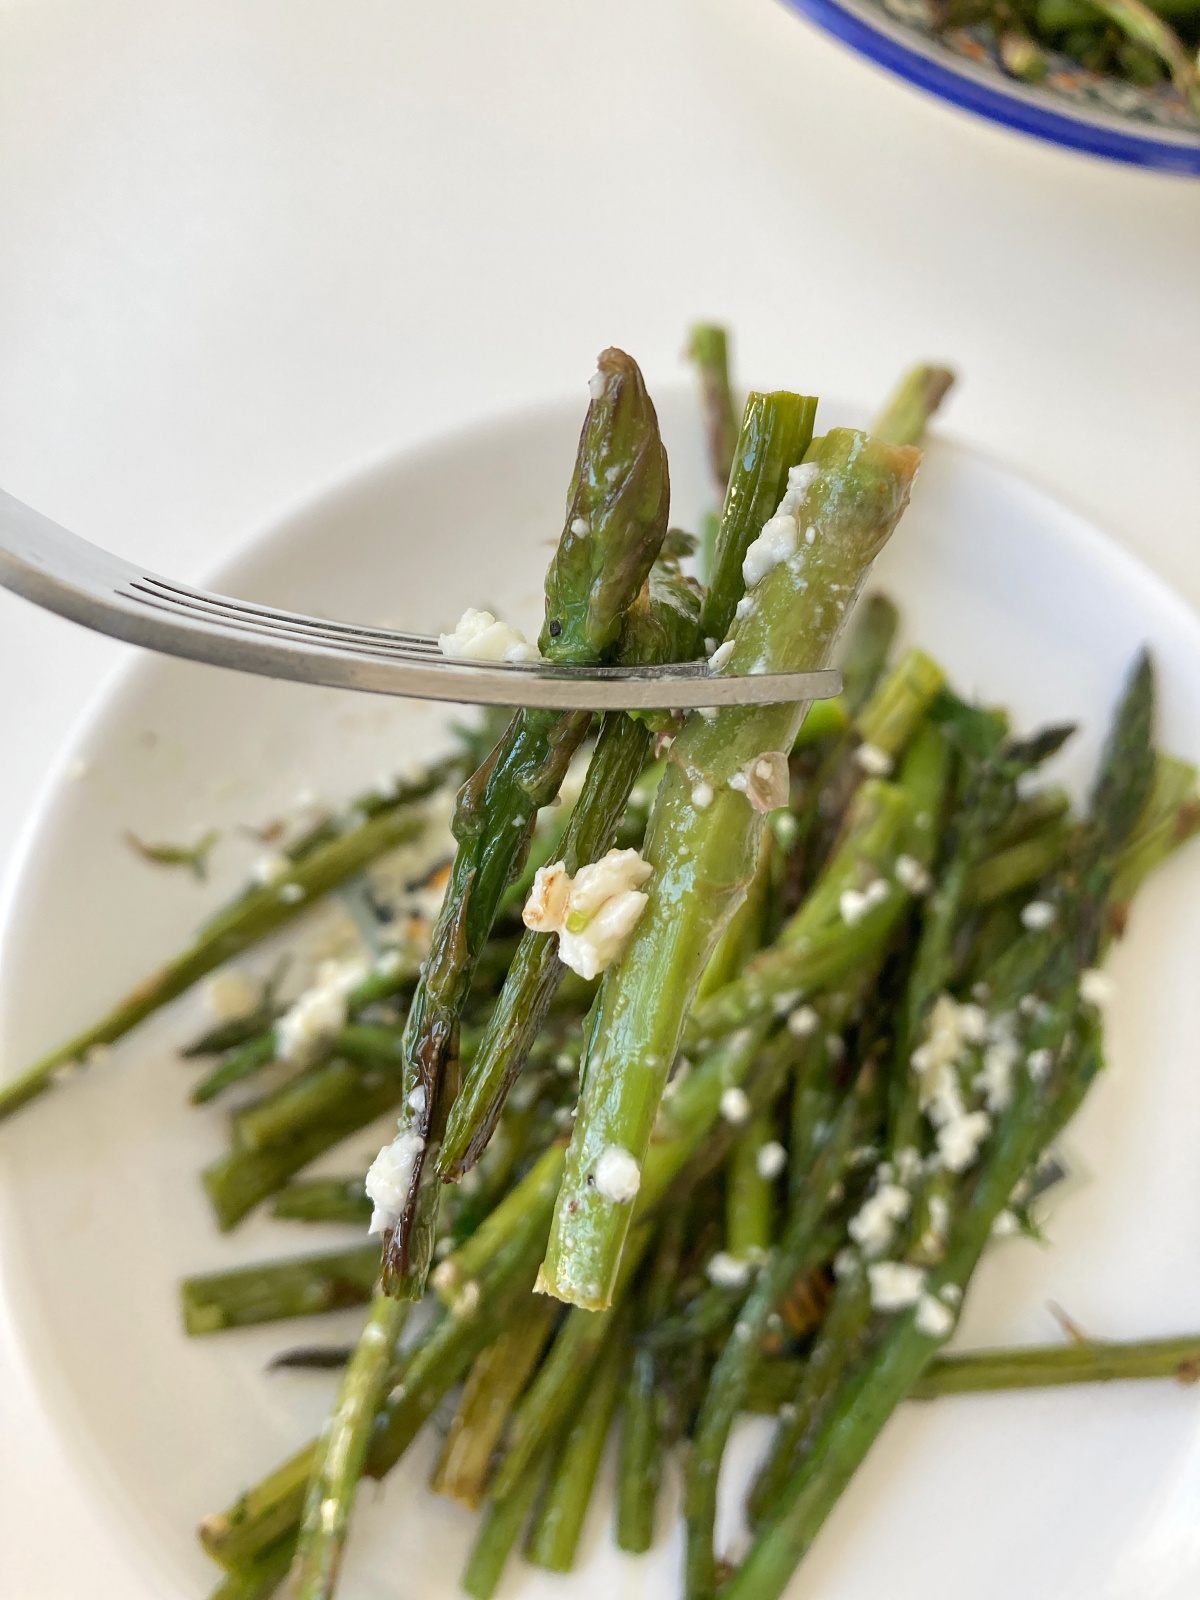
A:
(704, 833)
(615, 522)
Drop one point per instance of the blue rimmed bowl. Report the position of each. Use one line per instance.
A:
(1080, 110)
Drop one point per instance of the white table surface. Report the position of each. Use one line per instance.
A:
(246, 248)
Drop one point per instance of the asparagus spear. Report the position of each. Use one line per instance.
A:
(776, 432)
(777, 1382)
(496, 1382)
(1041, 1105)
(554, 1537)
(854, 491)
(708, 347)
(324, 1200)
(341, 1452)
(912, 404)
(272, 1290)
(727, 1387)
(616, 519)
(661, 626)
(262, 911)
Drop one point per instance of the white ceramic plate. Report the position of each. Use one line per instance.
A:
(1055, 1495)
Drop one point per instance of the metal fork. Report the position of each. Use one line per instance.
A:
(86, 584)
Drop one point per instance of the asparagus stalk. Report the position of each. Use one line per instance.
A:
(776, 432)
(730, 1378)
(554, 1537)
(912, 404)
(708, 347)
(854, 491)
(497, 1380)
(776, 1383)
(499, 1530)
(616, 519)
(660, 626)
(341, 1453)
(1036, 1114)
(272, 1290)
(324, 1200)
(260, 912)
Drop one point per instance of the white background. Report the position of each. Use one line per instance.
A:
(246, 245)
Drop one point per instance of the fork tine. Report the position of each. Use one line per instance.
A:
(88, 585)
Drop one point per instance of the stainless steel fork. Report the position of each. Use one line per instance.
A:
(86, 584)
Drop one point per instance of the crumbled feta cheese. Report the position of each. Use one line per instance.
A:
(933, 1318)
(895, 1285)
(939, 1215)
(845, 1263)
(480, 637)
(597, 384)
(1000, 1060)
(291, 894)
(875, 1222)
(617, 1176)
(803, 1022)
(594, 912)
(1005, 1225)
(873, 760)
(270, 868)
(390, 1176)
(1096, 987)
(744, 607)
(230, 994)
(951, 1294)
(770, 1160)
(466, 1301)
(702, 795)
(726, 1271)
(908, 1164)
(972, 1023)
(911, 875)
(580, 527)
(800, 480)
(735, 1106)
(720, 656)
(1038, 1064)
(320, 1012)
(774, 544)
(855, 903)
(1038, 914)
(765, 781)
(959, 1139)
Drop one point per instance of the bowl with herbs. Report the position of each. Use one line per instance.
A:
(1112, 78)
(716, 1155)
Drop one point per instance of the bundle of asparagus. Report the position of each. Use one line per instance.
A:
(847, 1002)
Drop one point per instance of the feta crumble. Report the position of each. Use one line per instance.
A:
(1038, 1064)
(735, 1106)
(702, 795)
(1038, 914)
(580, 527)
(390, 1176)
(319, 1013)
(1005, 1225)
(726, 1271)
(803, 1022)
(230, 994)
(959, 1139)
(617, 1176)
(777, 541)
(770, 1160)
(594, 912)
(764, 780)
(911, 875)
(855, 903)
(480, 637)
(720, 656)
(933, 1318)
(873, 760)
(1096, 987)
(875, 1222)
(895, 1285)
